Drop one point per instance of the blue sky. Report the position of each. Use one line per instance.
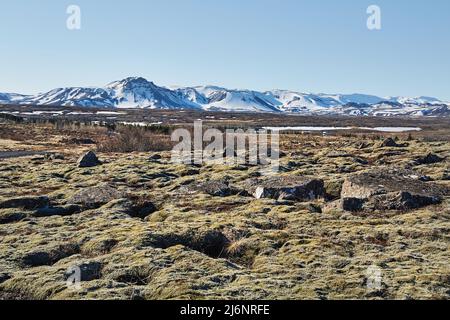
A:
(303, 45)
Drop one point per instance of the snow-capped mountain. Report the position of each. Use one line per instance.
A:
(139, 93)
(221, 99)
(317, 103)
(11, 97)
(82, 97)
(416, 100)
(387, 108)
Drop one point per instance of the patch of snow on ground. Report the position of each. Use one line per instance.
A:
(379, 129)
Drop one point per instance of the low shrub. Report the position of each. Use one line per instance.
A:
(135, 139)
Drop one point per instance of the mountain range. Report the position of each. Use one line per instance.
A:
(136, 92)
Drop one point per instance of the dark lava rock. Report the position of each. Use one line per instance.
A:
(390, 143)
(217, 188)
(405, 200)
(137, 208)
(88, 160)
(27, 203)
(155, 158)
(130, 276)
(313, 208)
(95, 197)
(296, 188)
(352, 204)
(446, 176)
(190, 172)
(67, 210)
(88, 271)
(49, 256)
(338, 154)
(361, 161)
(429, 159)
(10, 217)
(210, 242)
(4, 277)
(295, 164)
(389, 154)
(389, 189)
(37, 258)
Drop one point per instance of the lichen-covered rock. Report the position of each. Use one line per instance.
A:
(27, 203)
(298, 188)
(215, 188)
(95, 197)
(389, 189)
(88, 160)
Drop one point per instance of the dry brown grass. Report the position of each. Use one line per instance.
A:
(135, 139)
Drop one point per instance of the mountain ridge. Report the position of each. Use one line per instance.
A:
(137, 92)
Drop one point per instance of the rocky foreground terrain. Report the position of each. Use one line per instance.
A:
(140, 227)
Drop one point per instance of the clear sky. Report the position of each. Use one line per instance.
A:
(303, 45)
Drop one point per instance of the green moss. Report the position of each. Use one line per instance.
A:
(275, 249)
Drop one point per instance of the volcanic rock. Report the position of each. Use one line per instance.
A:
(95, 197)
(389, 189)
(88, 160)
(297, 188)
